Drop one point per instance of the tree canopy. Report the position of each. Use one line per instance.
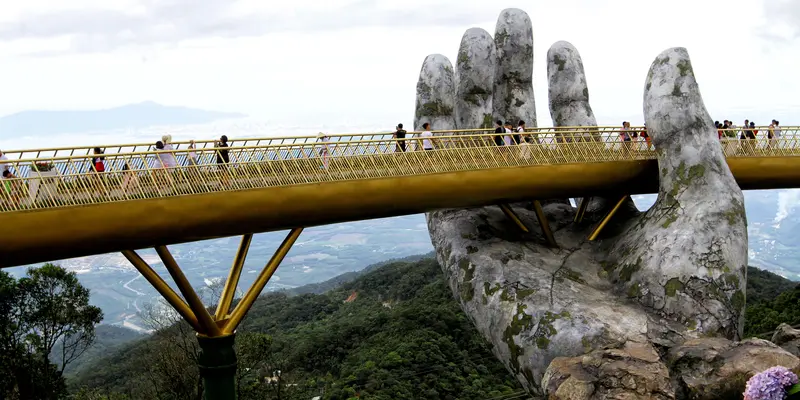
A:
(48, 307)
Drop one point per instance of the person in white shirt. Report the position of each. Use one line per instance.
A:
(3, 162)
(426, 135)
(518, 138)
(507, 138)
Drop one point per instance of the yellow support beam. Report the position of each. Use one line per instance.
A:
(607, 218)
(163, 288)
(226, 299)
(513, 217)
(209, 327)
(250, 297)
(548, 233)
(582, 209)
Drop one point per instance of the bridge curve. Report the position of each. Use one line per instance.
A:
(277, 186)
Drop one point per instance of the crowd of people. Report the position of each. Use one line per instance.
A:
(748, 130)
(506, 133)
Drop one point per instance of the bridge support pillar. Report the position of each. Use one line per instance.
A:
(582, 209)
(596, 232)
(513, 217)
(217, 364)
(215, 334)
(548, 233)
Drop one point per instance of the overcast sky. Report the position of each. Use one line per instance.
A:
(305, 60)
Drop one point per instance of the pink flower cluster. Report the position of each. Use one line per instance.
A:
(770, 384)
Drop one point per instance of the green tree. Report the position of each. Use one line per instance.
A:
(47, 307)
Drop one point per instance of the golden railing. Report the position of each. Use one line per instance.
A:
(264, 141)
(72, 180)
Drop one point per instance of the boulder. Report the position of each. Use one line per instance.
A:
(716, 368)
(475, 80)
(787, 338)
(633, 372)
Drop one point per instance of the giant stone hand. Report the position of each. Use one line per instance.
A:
(612, 317)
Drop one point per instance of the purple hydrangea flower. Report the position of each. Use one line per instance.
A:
(770, 384)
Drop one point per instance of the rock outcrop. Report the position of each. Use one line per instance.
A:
(435, 94)
(788, 338)
(620, 317)
(513, 85)
(475, 80)
(716, 368)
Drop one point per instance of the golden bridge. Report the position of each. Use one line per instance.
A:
(56, 206)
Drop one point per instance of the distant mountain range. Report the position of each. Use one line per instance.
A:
(137, 116)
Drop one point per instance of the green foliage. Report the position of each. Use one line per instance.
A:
(771, 301)
(764, 285)
(403, 337)
(47, 307)
(768, 314)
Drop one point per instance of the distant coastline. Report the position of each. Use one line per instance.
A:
(131, 116)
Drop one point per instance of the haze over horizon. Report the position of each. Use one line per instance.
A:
(307, 63)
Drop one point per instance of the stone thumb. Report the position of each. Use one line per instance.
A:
(686, 257)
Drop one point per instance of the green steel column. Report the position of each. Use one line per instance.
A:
(217, 364)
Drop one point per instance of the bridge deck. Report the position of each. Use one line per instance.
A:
(280, 185)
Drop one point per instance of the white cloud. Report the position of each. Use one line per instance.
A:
(310, 61)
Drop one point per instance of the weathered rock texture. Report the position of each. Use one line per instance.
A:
(619, 317)
(634, 371)
(716, 368)
(686, 257)
(513, 84)
(475, 80)
(788, 338)
(436, 94)
(568, 92)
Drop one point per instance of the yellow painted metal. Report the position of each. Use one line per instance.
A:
(163, 288)
(513, 217)
(274, 140)
(261, 281)
(274, 165)
(548, 233)
(582, 209)
(276, 186)
(229, 291)
(604, 222)
(207, 324)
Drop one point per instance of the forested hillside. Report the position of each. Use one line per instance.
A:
(394, 332)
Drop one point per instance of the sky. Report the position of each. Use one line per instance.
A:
(357, 61)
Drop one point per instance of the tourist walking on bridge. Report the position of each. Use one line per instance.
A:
(222, 158)
(427, 137)
(324, 149)
(191, 157)
(499, 130)
(625, 137)
(11, 188)
(398, 136)
(3, 163)
(173, 161)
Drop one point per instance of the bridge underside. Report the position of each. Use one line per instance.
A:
(65, 232)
